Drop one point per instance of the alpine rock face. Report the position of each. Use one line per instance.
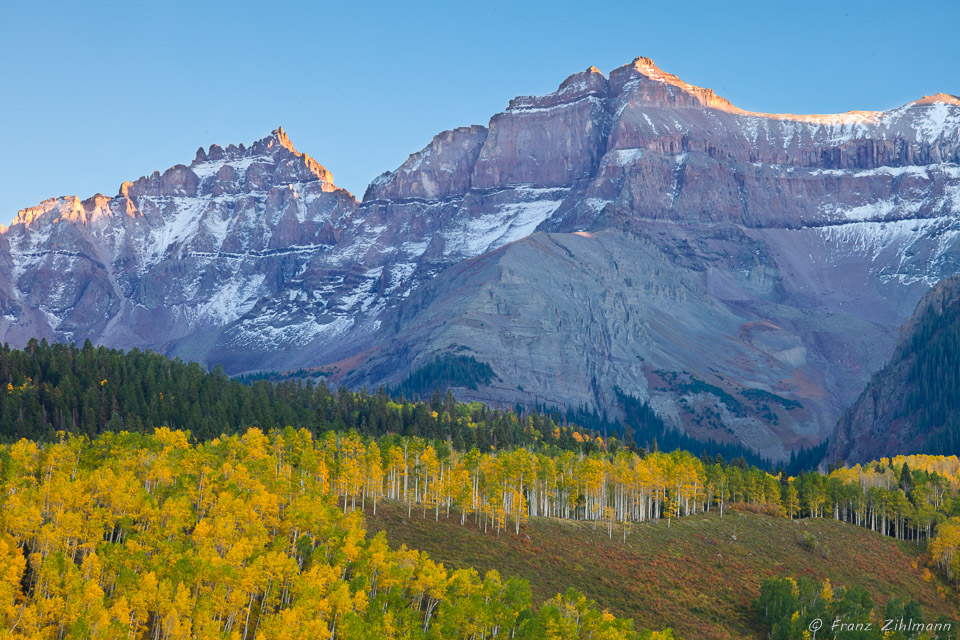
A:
(742, 272)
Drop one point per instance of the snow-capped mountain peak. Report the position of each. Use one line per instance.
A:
(685, 239)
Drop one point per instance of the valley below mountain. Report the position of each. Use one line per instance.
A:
(911, 403)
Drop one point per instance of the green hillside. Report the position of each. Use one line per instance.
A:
(698, 576)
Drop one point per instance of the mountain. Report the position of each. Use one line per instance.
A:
(743, 273)
(176, 260)
(911, 405)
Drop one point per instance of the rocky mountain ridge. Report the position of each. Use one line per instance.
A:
(634, 233)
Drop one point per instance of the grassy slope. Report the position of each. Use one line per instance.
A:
(698, 576)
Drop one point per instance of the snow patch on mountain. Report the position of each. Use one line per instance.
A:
(233, 300)
(939, 120)
(510, 222)
(204, 170)
(563, 105)
(623, 157)
(891, 244)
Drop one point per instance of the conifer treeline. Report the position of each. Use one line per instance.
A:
(789, 609)
(644, 427)
(443, 372)
(91, 390)
(932, 406)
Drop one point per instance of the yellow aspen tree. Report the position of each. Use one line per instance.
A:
(12, 566)
(429, 484)
(372, 475)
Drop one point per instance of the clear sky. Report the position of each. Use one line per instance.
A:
(95, 93)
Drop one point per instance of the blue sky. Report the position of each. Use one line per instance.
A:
(96, 93)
